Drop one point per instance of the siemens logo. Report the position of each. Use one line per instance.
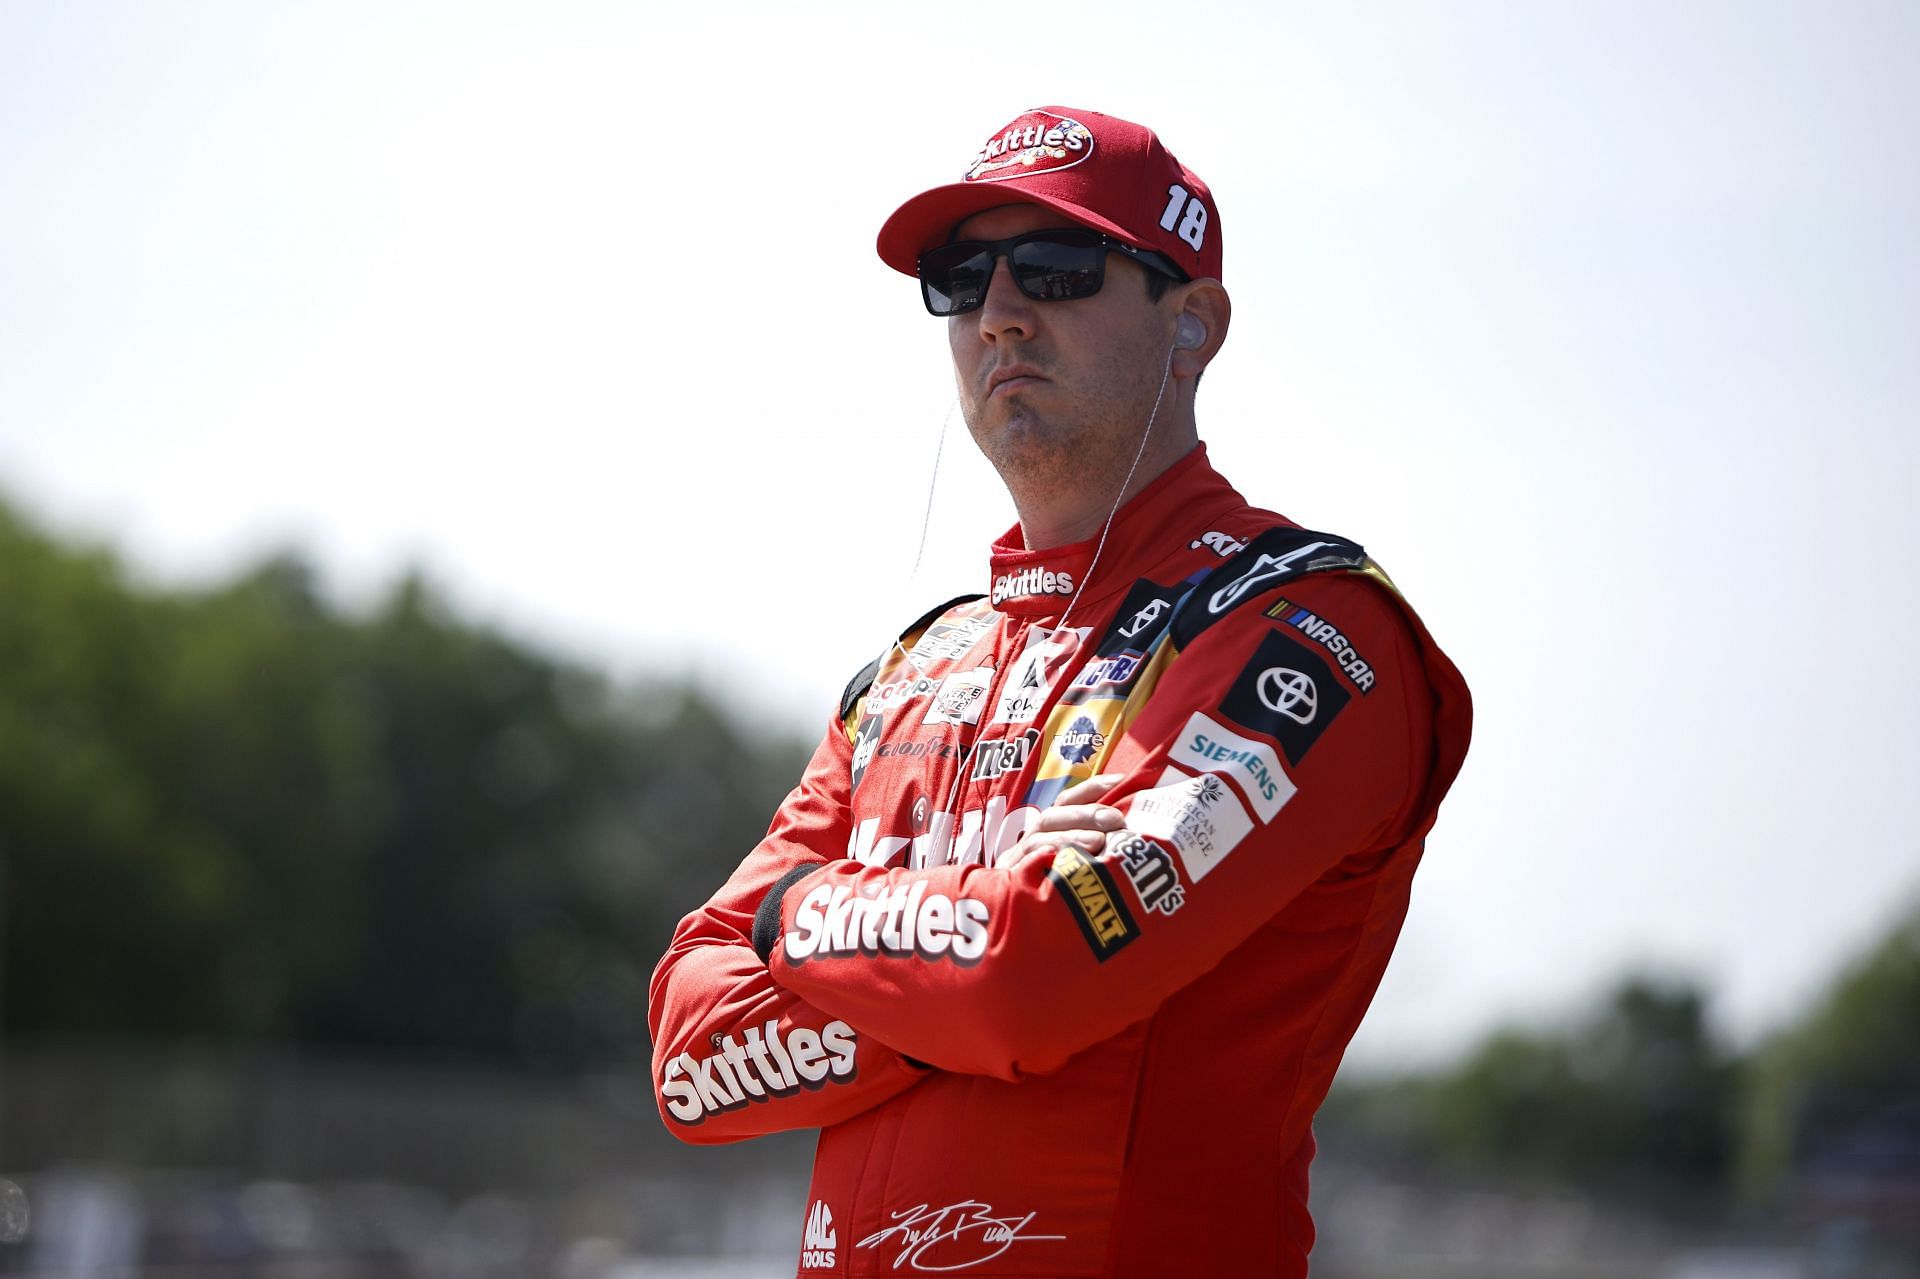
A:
(1206, 746)
(1258, 771)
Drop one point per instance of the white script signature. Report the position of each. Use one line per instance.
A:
(972, 1234)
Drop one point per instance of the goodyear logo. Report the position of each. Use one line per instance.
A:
(1093, 897)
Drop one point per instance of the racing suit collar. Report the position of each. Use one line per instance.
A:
(1160, 519)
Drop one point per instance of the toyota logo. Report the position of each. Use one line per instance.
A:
(1289, 692)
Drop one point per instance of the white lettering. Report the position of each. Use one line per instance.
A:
(1031, 581)
(817, 1244)
(769, 1063)
(809, 1058)
(685, 1099)
(972, 940)
(903, 920)
(1220, 544)
(809, 921)
(935, 926)
(1145, 618)
(1199, 816)
(1328, 636)
(1206, 747)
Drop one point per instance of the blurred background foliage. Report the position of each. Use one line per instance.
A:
(1633, 1098)
(242, 813)
(243, 816)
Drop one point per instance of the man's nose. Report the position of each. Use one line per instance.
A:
(1006, 311)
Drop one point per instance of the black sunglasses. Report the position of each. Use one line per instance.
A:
(1054, 264)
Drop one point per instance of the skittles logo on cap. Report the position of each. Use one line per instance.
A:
(1037, 142)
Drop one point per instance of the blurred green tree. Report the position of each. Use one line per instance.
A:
(241, 813)
(1838, 1092)
(1634, 1099)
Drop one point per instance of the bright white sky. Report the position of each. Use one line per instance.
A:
(1598, 324)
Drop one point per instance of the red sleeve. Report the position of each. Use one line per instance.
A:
(1258, 764)
(734, 1055)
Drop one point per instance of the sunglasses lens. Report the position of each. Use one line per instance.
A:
(1049, 266)
(1051, 271)
(954, 278)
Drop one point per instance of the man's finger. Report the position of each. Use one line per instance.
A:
(1093, 789)
(1089, 842)
(1079, 817)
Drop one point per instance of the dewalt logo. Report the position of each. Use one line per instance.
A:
(1090, 892)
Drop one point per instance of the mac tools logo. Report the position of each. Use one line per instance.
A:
(820, 1239)
(1037, 142)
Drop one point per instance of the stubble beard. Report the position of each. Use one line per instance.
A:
(1037, 456)
(1065, 452)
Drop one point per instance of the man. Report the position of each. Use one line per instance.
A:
(1062, 935)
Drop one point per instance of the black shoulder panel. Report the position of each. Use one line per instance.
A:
(863, 679)
(766, 920)
(925, 619)
(857, 686)
(1277, 555)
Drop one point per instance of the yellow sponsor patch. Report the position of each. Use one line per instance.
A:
(1090, 892)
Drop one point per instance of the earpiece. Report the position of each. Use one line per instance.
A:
(1189, 333)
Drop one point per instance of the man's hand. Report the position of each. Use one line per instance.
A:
(1077, 818)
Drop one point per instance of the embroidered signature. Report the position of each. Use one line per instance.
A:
(972, 1235)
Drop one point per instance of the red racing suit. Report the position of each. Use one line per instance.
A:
(1079, 1065)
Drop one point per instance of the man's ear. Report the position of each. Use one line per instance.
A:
(1205, 311)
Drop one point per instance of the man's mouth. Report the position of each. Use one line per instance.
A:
(1011, 378)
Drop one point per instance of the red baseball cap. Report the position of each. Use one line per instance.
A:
(1106, 172)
